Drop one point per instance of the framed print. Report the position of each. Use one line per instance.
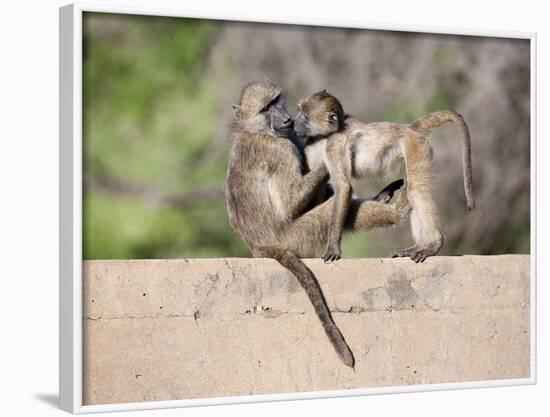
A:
(261, 210)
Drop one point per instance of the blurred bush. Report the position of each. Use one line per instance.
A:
(157, 104)
(151, 188)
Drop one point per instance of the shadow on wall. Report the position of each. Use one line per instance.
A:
(51, 400)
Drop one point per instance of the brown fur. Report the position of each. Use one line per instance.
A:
(267, 195)
(350, 148)
(253, 98)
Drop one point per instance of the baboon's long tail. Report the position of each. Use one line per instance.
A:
(309, 283)
(430, 121)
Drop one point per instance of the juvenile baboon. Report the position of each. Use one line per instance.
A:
(350, 148)
(267, 195)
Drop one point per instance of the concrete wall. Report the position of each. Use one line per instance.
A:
(180, 329)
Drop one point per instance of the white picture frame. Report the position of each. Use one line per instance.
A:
(70, 154)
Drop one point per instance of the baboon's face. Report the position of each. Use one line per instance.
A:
(319, 115)
(263, 108)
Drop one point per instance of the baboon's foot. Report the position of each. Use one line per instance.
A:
(387, 193)
(419, 254)
(429, 250)
(422, 254)
(332, 255)
(404, 253)
(416, 255)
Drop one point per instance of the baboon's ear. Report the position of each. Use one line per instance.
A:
(322, 93)
(237, 111)
(333, 118)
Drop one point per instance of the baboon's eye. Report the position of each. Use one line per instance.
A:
(268, 105)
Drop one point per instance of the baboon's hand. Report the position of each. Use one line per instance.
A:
(333, 254)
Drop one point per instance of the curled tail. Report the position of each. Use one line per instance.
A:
(430, 121)
(309, 283)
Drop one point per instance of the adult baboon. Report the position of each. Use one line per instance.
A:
(267, 195)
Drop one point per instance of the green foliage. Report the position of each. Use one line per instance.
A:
(360, 245)
(405, 110)
(149, 120)
(125, 228)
